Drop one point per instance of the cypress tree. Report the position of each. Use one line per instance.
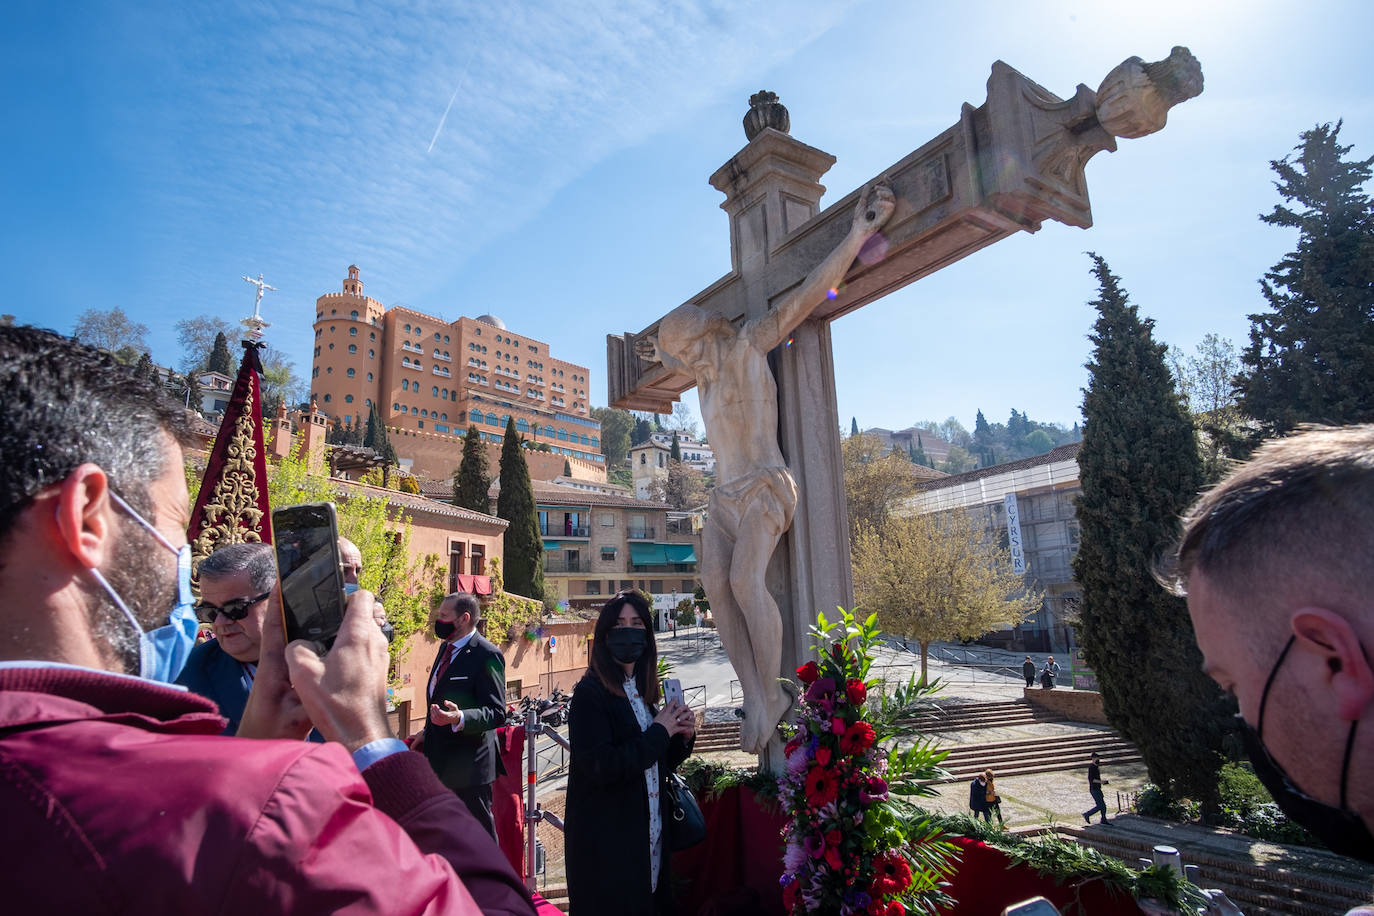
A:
(144, 369)
(675, 453)
(853, 426)
(567, 468)
(376, 438)
(524, 563)
(220, 361)
(1139, 468)
(472, 483)
(1311, 356)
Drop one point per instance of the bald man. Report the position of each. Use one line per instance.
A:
(351, 562)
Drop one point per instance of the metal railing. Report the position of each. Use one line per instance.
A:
(552, 530)
(641, 534)
(566, 566)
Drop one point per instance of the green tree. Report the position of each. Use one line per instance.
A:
(567, 468)
(1139, 468)
(1311, 356)
(642, 431)
(853, 426)
(112, 330)
(197, 338)
(145, 369)
(1206, 380)
(872, 483)
(219, 360)
(376, 437)
(279, 381)
(938, 576)
(675, 453)
(616, 426)
(524, 551)
(682, 486)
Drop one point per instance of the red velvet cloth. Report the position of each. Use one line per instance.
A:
(472, 584)
(507, 797)
(233, 468)
(742, 856)
(986, 883)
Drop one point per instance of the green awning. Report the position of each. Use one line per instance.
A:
(553, 545)
(647, 555)
(679, 553)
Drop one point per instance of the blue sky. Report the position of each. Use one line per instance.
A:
(547, 162)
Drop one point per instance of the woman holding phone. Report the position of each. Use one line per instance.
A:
(623, 749)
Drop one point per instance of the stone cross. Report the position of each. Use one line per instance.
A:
(1005, 167)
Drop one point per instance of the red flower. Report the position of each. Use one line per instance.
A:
(875, 907)
(789, 896)
(838, 650)
(837, 726)
(833, 838)
(823, 756)
(821, 787)
(809, 672)
(857, 739)
(895, 908)
(892, 875)
(832, 857)
(792, 746)
(856, 691)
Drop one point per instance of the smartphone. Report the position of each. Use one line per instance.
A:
(672, 690)
(310, 571)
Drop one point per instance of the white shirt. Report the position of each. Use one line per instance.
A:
(642, 716)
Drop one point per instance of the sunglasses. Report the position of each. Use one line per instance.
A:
(237, 609)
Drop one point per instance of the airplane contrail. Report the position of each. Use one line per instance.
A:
(462, 79)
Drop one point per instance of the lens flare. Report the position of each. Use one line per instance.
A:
(832, 293)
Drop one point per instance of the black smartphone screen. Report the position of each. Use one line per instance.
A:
(312, 598)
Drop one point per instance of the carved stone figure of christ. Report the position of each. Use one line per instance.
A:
(755, 495)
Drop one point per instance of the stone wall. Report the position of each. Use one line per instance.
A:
(1076, 705)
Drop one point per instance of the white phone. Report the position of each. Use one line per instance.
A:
(672, 690)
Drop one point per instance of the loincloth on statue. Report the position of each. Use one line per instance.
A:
(769, 491)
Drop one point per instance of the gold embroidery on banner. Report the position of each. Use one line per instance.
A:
(231, 514)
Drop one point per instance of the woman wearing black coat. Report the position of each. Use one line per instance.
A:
(623, 750)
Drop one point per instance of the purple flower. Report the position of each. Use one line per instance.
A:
(793, 858)
(822, 689)
(814, 845)
(874, 791)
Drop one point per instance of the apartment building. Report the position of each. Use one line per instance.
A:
(1030, 504)
(431, 379)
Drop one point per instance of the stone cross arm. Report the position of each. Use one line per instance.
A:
(1004, 167)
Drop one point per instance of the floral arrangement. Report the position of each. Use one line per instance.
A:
(854, 845)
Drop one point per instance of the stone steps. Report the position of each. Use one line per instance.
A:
(556, 895)
(1258, 890)
(1031, 757)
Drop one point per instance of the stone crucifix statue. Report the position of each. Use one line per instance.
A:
(755, 495)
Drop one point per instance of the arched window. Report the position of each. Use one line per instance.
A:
(405, 360)
(326, 399)
(585, 440)
(369, 376)
(505, 418)
(395, 406)
(548, 431)
(348, 399)
(352, 348)
(434, 391)
(331, 346)
(372, 335)
(350, 373)
(424, 413)
(443, 416)
(521, 426)
(446, 341)
(436, 335)
(329, 370)
(476, 416)
(405, 384)
(352, 332)
(414, 410)
(407, 329)
(562, 434)
(371, 354)
(491, 419)
(596, 443)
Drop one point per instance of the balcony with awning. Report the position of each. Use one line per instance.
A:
(662, 558)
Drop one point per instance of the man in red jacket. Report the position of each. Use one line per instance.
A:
(118, 792)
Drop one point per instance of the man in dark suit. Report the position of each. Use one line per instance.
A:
(467, 703)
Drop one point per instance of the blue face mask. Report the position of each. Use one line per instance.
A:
(162, 652)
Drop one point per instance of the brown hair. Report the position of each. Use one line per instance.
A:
(1303, 503)
(604, 665)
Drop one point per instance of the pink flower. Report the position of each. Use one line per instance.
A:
(874, 790)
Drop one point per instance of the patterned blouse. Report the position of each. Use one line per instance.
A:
(642, 716)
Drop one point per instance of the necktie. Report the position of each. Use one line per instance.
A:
(443, 666)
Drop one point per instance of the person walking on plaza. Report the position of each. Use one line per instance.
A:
(623, 751)
(1095, 784)
(1028, 670)
(978, 798)
(994, 801)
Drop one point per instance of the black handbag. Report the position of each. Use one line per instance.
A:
(686, 823)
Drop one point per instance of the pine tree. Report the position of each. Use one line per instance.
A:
(524, 552)
(471, 483)
(144, 369)
(220, 361)
(675, 453)
(194, 394)
(853, 426)
(1311, 357)
(1139, 468)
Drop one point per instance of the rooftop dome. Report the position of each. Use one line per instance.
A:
(491, 320)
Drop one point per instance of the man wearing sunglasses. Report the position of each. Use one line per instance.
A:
(235, 584)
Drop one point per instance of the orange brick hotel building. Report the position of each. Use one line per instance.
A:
(431, 379)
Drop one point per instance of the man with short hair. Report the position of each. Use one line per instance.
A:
(1028, 671)
(1277, 562)
(351, 563)
(236, 582)
(467, 703)
(119, 791)
(1095, 784)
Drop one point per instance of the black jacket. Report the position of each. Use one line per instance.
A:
(476, 682)
(607, 838)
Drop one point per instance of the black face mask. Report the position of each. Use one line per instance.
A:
(1340, 829)
(627, 644)
(443, 629)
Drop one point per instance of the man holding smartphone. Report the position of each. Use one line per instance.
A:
(121, 793)
(467, 703)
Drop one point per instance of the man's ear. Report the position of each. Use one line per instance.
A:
(83, 515)
(1348, 673)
